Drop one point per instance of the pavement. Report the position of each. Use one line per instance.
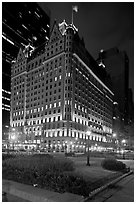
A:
(18, 192)
(11, 198)
(123, 191)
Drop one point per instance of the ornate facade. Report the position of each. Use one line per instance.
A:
(58, 101)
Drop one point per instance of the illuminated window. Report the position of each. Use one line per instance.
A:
(72, 133)
(77, 134)
(60, 133)
(80, 135)
(65, 132)
(55, 133)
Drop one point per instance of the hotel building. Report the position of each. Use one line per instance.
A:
(60, 100)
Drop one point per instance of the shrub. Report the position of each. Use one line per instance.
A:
(113, 164)
(41, 165)
(7, 156)
(70, 154)
(42, 155)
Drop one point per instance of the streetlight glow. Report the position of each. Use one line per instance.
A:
(123, 141)
(114, 134)
(88, 132)
(13, 137)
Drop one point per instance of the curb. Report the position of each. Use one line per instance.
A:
(100, 189)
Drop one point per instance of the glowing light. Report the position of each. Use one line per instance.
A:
(123, 141)
(13, 137)
(122, 151)
(8, 40)
(101, 64)
(88, 132)
(37, 14)
(114, 134)
(6, 91)
(8, 99)
(6, 105)
(24, 26)
(115, 103)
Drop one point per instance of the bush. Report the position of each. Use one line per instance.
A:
(70, 154)
(40, 163)
(42, 156)
(7, 156)
(113, 164)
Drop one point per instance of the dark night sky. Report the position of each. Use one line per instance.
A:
(102, 24)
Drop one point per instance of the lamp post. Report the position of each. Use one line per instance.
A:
(88, 153)
(123, 142)
(114, 135)
(13, 138)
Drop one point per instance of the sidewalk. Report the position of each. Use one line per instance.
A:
(11, 198)
(29, 193)
(122, 191)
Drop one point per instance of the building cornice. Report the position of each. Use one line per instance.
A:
(75, 55)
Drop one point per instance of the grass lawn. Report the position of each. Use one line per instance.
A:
(94, 172)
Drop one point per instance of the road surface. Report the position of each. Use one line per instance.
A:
(122, 191)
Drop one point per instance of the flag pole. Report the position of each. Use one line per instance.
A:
(72, 15)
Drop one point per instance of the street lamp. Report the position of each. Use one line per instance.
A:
(88, 153)
(114, 135)
(123, 141)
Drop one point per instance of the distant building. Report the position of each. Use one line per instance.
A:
(5, 113)
(60, 98)
(130, 106)
(117, 65)
(23, 23)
